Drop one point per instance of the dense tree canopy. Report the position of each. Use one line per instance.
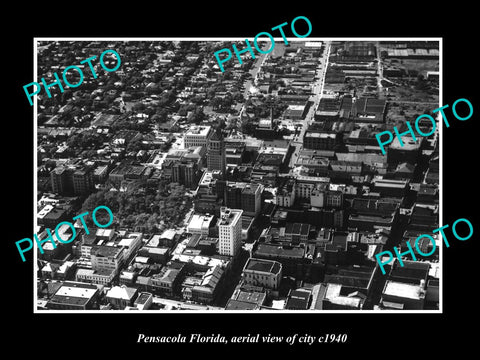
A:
(143, 206)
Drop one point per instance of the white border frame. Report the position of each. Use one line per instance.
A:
(226, 312)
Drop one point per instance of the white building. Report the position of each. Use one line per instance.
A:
(101, 277)
(197, 136)
(200, 224)
(230, 231)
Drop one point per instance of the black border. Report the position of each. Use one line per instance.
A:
(369, 333)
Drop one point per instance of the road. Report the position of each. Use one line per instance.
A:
(317, 89)
(259, 60)
(380, 70)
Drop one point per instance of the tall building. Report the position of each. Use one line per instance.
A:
(83, 181)
(216, 152)
(245, 196)
(58, 178)
(72, 180)
(186, 173)
(230, 231)
(251, 199)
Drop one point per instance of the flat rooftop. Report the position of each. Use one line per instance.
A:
(142, 298)
(105, 251)
(200, 221)
(251, 297)
(262, 265)
(74, 293)
(229, 216)
(408, 143)
(271, 250)
(198, 131)
(240, 305)
(404, 290)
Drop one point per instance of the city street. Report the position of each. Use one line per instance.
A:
(259, 60)
(317, 89)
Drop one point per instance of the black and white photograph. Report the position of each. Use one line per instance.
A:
(256, 183)
(294, 179)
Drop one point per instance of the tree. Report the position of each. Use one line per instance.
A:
(216, 102)
(138, 107)
(135, 145)
(196, 116)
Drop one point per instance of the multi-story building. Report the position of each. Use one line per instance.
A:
(319, 140)
(251, 199)
(101, 277)
(306, 184)
(403, 296)
(58, 178)
(317, 198)
(72, 180)
(285, 195)
(245, 196)
(334, 199)
(83, 181)
(206, 290)
(107, 257)
(74, 296)
(197, 136)
(167, 282)
(216, 152)
(230, 231)
(233, 194)
(266, 273)
(200, 224)
(131, 242)
(186, 173)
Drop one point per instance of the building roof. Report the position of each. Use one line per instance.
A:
(198, 131)
(297, 228)
(200, 222)
(106, 251)
(255, 297)
(298, 299)
(127, 242)
(398, 289)
(390, 183)
(270, 250)
(122, 292)
(169, 234)
(411, 272)
(408, 143)
(142, 298)
(167, 275)
(74, 293)
(240, 305)
(261, 265)
(229, 216)
(333, 294)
